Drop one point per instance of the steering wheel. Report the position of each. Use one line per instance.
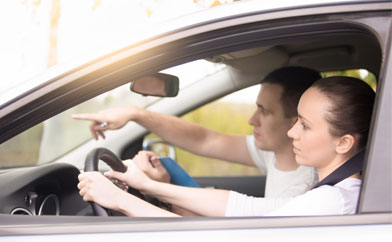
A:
(91, 164)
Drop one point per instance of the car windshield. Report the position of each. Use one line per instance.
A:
(61, 134)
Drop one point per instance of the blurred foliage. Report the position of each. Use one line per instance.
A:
(364, 75)
(223, 117)
(23, 149)
(226, 118)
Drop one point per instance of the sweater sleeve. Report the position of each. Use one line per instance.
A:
(243, 205)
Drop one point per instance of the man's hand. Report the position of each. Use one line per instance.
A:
(152, 167)
(140, 172)
(109, 119)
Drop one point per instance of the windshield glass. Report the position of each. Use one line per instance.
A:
(60, 134)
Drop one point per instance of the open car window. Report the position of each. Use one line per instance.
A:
(230, 114)
(57, 136)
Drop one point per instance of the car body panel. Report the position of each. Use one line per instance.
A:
(379, 166)
(199, 228)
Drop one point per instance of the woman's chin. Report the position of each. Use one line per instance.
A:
(300, 160)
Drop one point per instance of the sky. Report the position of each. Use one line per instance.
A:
(84, 27)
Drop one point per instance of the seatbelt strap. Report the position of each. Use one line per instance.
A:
(349, 168)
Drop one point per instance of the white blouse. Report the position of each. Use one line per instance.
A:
(325, 200)
(280, 183)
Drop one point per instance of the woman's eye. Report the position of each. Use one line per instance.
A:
(304, 126)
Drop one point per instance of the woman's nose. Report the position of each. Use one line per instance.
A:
(292, 133)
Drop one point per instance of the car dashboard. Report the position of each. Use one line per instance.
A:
(42, 190)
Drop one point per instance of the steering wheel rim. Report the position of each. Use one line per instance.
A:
(91, 164)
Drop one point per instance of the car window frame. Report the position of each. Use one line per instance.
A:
(377, 171)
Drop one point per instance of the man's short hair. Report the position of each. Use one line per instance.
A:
(294, 80)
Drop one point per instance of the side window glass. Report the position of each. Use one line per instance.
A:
(229, 114)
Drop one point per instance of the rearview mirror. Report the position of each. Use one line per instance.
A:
(159, 84)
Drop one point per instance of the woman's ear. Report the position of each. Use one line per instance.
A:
(346, 142)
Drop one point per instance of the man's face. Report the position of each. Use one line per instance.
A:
(269, 122)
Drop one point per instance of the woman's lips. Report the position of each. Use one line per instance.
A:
(296, 150)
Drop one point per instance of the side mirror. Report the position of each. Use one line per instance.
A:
(159, 84)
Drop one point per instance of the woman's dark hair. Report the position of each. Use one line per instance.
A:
(294, 80)
(351, 106)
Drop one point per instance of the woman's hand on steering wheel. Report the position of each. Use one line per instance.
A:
(93, 193)
(95, 187)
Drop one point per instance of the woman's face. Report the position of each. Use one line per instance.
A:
(313, 144)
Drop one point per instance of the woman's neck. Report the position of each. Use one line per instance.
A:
(338, 160)
(356, 175)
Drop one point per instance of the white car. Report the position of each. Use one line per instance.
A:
(214, 53)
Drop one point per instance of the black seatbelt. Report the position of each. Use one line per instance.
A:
(349, 168)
